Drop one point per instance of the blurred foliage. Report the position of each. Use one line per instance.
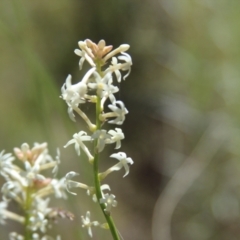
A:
(183, 97)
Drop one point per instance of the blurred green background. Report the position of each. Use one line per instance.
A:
(183, 98)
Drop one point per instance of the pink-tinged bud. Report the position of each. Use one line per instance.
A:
(41, 183)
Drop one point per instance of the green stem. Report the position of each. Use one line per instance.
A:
(96, 178)
(28, 232)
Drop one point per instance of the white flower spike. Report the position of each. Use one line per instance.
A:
(98, 87)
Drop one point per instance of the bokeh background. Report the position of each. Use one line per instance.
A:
(183, 98)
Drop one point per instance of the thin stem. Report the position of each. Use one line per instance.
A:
(96, 172)
(28, 232)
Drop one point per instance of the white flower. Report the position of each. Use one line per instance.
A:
(117, 136)
(108, 92)
(59, 187)
(124, 161)
(73, 184)
(102, 137)
(5, 162)
(118, 112)
(78, 139)
(16, 175)
(10, 190)
(115, 70)
(100, 83)
(75, 94)
(86, 222)
(38, 219)
(32, 173)
(122, 48)
(91, 191)
(109, 202)
(104, 88)
(41, 205)
(116, 66)
(15, 236)
(85, 54)
(36, 236)
(127, 65)
(38, 222)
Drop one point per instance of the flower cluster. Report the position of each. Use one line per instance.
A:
(29, 188)
(97, 87)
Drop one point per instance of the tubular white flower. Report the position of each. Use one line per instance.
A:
(79, 88)
(104, 87)
(75, 94)
(121, 48)
(41, 205)
(118, 112)
(116, 66)
(39, 153)
(5, 162)
(92, 191)
(86, 222)
(124, 161)
(84, 54)
(32, 173)
(73, 184)
(108, 92)
(11, 190)
(39, 214)
(109, 202)
(127, 65)
(100, 83)
(38, 222)
(115, 70)
(15, 175)
(102, 137)
(59, 187)
(78, 139)
(117, 136)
